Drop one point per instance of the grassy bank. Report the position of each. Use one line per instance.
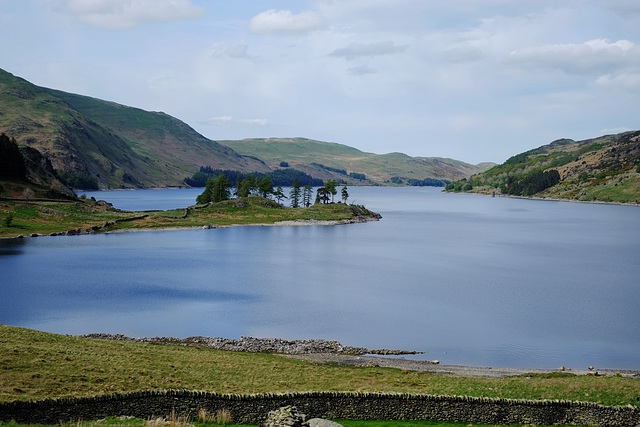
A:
(37, 365)
(46, 217)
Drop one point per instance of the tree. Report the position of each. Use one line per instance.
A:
(265, 187)
(307, 191)
(11, 160)
(330, 187)
(221, 189)
(279, 194)
(294, 195)
(345, 194)
(207, 194)
(322, 195)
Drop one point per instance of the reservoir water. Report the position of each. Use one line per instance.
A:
(467, 279)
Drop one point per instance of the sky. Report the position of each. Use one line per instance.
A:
(472, 80)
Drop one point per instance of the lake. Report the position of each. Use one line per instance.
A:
(467, 279)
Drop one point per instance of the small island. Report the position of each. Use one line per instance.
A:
(51, 217)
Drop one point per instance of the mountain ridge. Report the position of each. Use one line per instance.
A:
(331, 160)
(110, 145)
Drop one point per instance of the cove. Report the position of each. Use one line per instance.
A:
(470, 280)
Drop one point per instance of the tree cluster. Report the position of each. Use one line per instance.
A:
(531, 184)
(279, 177)
(11, 160)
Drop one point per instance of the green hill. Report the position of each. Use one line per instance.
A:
(604, 169)
(92, 143)
(337, 161)
(114, 145)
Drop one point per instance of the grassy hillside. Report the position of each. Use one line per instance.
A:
(37, 365)
(337, 161)
(107, 145)
(115, 145)
(604, 169)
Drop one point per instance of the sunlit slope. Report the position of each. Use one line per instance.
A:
(119, 146)
(606, 168)
(333, 160)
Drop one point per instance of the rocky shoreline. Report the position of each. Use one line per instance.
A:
(259, 345)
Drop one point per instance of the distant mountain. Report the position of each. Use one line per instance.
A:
(112, 145)
(91, 143)
(337, 161)
(605, 169)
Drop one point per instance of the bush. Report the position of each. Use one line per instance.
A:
(8, 219)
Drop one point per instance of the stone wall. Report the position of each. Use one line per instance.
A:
(254, 408)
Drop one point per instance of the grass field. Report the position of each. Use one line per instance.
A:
(36, 365)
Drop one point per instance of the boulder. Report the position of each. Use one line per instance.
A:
(321, 422)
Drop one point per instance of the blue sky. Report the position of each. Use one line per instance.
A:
(473, 80)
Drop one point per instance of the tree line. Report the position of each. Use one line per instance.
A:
(283, 177)
(219, 189)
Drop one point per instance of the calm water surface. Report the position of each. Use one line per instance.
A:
(468, 279)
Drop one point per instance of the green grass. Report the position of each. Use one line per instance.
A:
(36, 365)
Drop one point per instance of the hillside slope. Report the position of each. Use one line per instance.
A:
(331, 160)
(605, 169)
(115, 145)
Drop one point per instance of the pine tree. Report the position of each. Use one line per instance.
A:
(279, 194)
(207, 194)
(294, 195)
(221, 189)
(265, 187)
(345, 194)
(307, 191)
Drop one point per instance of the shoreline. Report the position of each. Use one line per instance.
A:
(449, 370)
(284, 223)
(320, 352)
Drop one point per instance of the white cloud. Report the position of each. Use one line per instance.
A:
(235, 51)
(463, 54)
(625, 81)
(356, 50)
(126, 14)
(361, 70)
(230, 121)
(284, 22)
(613, 131)
(593, 56)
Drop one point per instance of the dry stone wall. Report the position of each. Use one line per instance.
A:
(350, 405)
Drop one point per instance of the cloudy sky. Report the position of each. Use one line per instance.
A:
(474, 80)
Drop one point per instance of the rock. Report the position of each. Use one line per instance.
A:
(287, 416)
(321, 422)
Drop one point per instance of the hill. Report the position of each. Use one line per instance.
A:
(604, 169)
(92, 143)
(105, 144)
(337, 161)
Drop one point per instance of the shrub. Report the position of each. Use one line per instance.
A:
(8, 219)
